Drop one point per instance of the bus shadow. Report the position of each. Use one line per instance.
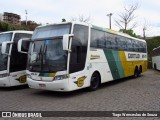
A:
(155, 70)
(13, 88)
(54, 94)
(116, 82)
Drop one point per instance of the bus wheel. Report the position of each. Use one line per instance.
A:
(155, 66)
(136, 72)
(140, 71)
(95, 82)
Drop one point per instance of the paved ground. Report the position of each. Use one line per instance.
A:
(140, 94)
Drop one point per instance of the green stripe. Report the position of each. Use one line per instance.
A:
(47, 74)
(112, 63)
(118, 64)
(44, 74)
(115, 63)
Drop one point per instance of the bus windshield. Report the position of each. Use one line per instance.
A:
(51, 31)
(47, 54)
(4, 58)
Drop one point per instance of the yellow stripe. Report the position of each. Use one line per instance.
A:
(125, 64)
(52, 74)
(129, 66)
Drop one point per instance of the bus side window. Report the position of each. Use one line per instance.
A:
(110, 41)
(108, 44)
(79, 48)
(129, 45)
(134, 45)
(20, 63)
(76, 54)
(144, 48)
(140, 46)
(119, 42)
(97, 39)
(101, 43)
(114, 43)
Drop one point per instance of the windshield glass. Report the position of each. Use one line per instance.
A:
(4, 58)
(51, 31)
(47, 54)
(5, 37)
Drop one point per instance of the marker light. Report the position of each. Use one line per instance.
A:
(3, 75)
(60, 77)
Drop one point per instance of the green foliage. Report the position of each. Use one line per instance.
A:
(151, 44)
(4, 26)
(129, 32)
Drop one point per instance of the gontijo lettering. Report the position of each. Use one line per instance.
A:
(133, 55)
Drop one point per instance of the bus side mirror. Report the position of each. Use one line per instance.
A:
(23, 42)
(66, 41)
(5, 47)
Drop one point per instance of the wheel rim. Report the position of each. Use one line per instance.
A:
(94, 82)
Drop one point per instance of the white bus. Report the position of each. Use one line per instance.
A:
(156, 58)
(71, 56)
(12, 63)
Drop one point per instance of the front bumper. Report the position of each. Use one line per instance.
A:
(58, 85)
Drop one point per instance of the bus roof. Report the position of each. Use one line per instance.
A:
(116, 32)
(95, 27)
(18, 31)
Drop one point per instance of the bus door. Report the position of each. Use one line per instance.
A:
(78, 56)
(18, 61)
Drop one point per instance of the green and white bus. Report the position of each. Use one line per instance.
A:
(71, 56)
(12, 63)
(156, 58)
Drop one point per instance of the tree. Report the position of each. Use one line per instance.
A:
(31, 25)
(4, 26)
(81, 18)
(129, 32)
(152, 43)
(126, 17)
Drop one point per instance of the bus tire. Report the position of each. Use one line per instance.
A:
(155, 66)
(136, 72)
(140, 71)
(94, 82)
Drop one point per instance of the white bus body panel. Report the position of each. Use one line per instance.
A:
(39, 82)
(4, 81)
(100, 64)
(70, 84)
(13, 79)
(156, 61)
(58, 85)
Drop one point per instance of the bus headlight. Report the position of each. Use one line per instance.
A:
(60, 77)
(3, 75)
(29, 76)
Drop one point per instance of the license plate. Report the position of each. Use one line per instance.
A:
(42, 85)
